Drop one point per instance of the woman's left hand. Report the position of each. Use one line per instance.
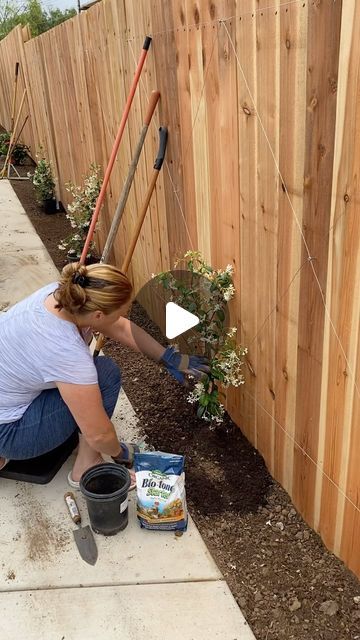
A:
(179, 364)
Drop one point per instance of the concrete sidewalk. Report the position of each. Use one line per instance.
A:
(144, 584)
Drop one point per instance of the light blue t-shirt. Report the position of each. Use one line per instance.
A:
(38, 349)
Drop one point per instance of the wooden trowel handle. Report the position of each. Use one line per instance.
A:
(72, 507)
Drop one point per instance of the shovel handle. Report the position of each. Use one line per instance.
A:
(72, 507)
(154, 97)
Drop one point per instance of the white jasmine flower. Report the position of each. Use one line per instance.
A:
(196, 393)
(229, 292)
(200, 387)
(220, 415)
(231, 333)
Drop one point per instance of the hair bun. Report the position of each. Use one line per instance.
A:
(98, 287)
(80, 279)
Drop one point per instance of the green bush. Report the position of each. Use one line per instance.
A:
(81, 210)
(19, 152)
(210, 336)
(43, 180)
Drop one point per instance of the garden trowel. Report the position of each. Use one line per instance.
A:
(84, 537)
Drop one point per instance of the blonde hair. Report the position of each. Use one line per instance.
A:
(96, 287)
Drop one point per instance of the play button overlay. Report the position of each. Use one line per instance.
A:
(178, 320)
(176, 309)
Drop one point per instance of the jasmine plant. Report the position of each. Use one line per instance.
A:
(80, 211)
(214, 339)
(43, 179)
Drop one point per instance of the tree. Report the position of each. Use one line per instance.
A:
(36, 17)
(56, 16)
(30, 12)
(10, 16)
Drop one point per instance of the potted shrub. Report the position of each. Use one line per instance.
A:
(80, 212)
(44, 184)
(19, 152)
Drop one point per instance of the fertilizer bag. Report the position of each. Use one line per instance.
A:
(160, 484)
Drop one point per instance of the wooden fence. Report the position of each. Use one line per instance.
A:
(262, 105)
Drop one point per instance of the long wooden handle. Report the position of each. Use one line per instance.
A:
(130, 251)
(157, 166)
(14, 96)
(13, 135)
(21, 130)
(154, 97)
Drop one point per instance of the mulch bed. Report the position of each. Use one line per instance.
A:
(285, 581)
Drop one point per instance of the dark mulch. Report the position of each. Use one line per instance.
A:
(277, 568)
(170, 424)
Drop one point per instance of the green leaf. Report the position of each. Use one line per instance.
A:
(217, 374)
(200, 412)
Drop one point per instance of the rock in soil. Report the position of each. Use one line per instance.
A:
(330, 608)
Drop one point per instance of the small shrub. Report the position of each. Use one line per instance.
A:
(19, 152)
(216, 341)
(80, 211)
(43, 179)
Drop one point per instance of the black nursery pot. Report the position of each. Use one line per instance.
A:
(105, 488)
(71, 257)
(49, 205)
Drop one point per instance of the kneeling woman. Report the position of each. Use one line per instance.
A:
(50, 384)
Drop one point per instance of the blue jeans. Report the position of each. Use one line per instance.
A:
(47, 422)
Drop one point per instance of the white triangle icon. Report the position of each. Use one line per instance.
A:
(178, 320)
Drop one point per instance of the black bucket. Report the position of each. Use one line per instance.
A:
(105, 488)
